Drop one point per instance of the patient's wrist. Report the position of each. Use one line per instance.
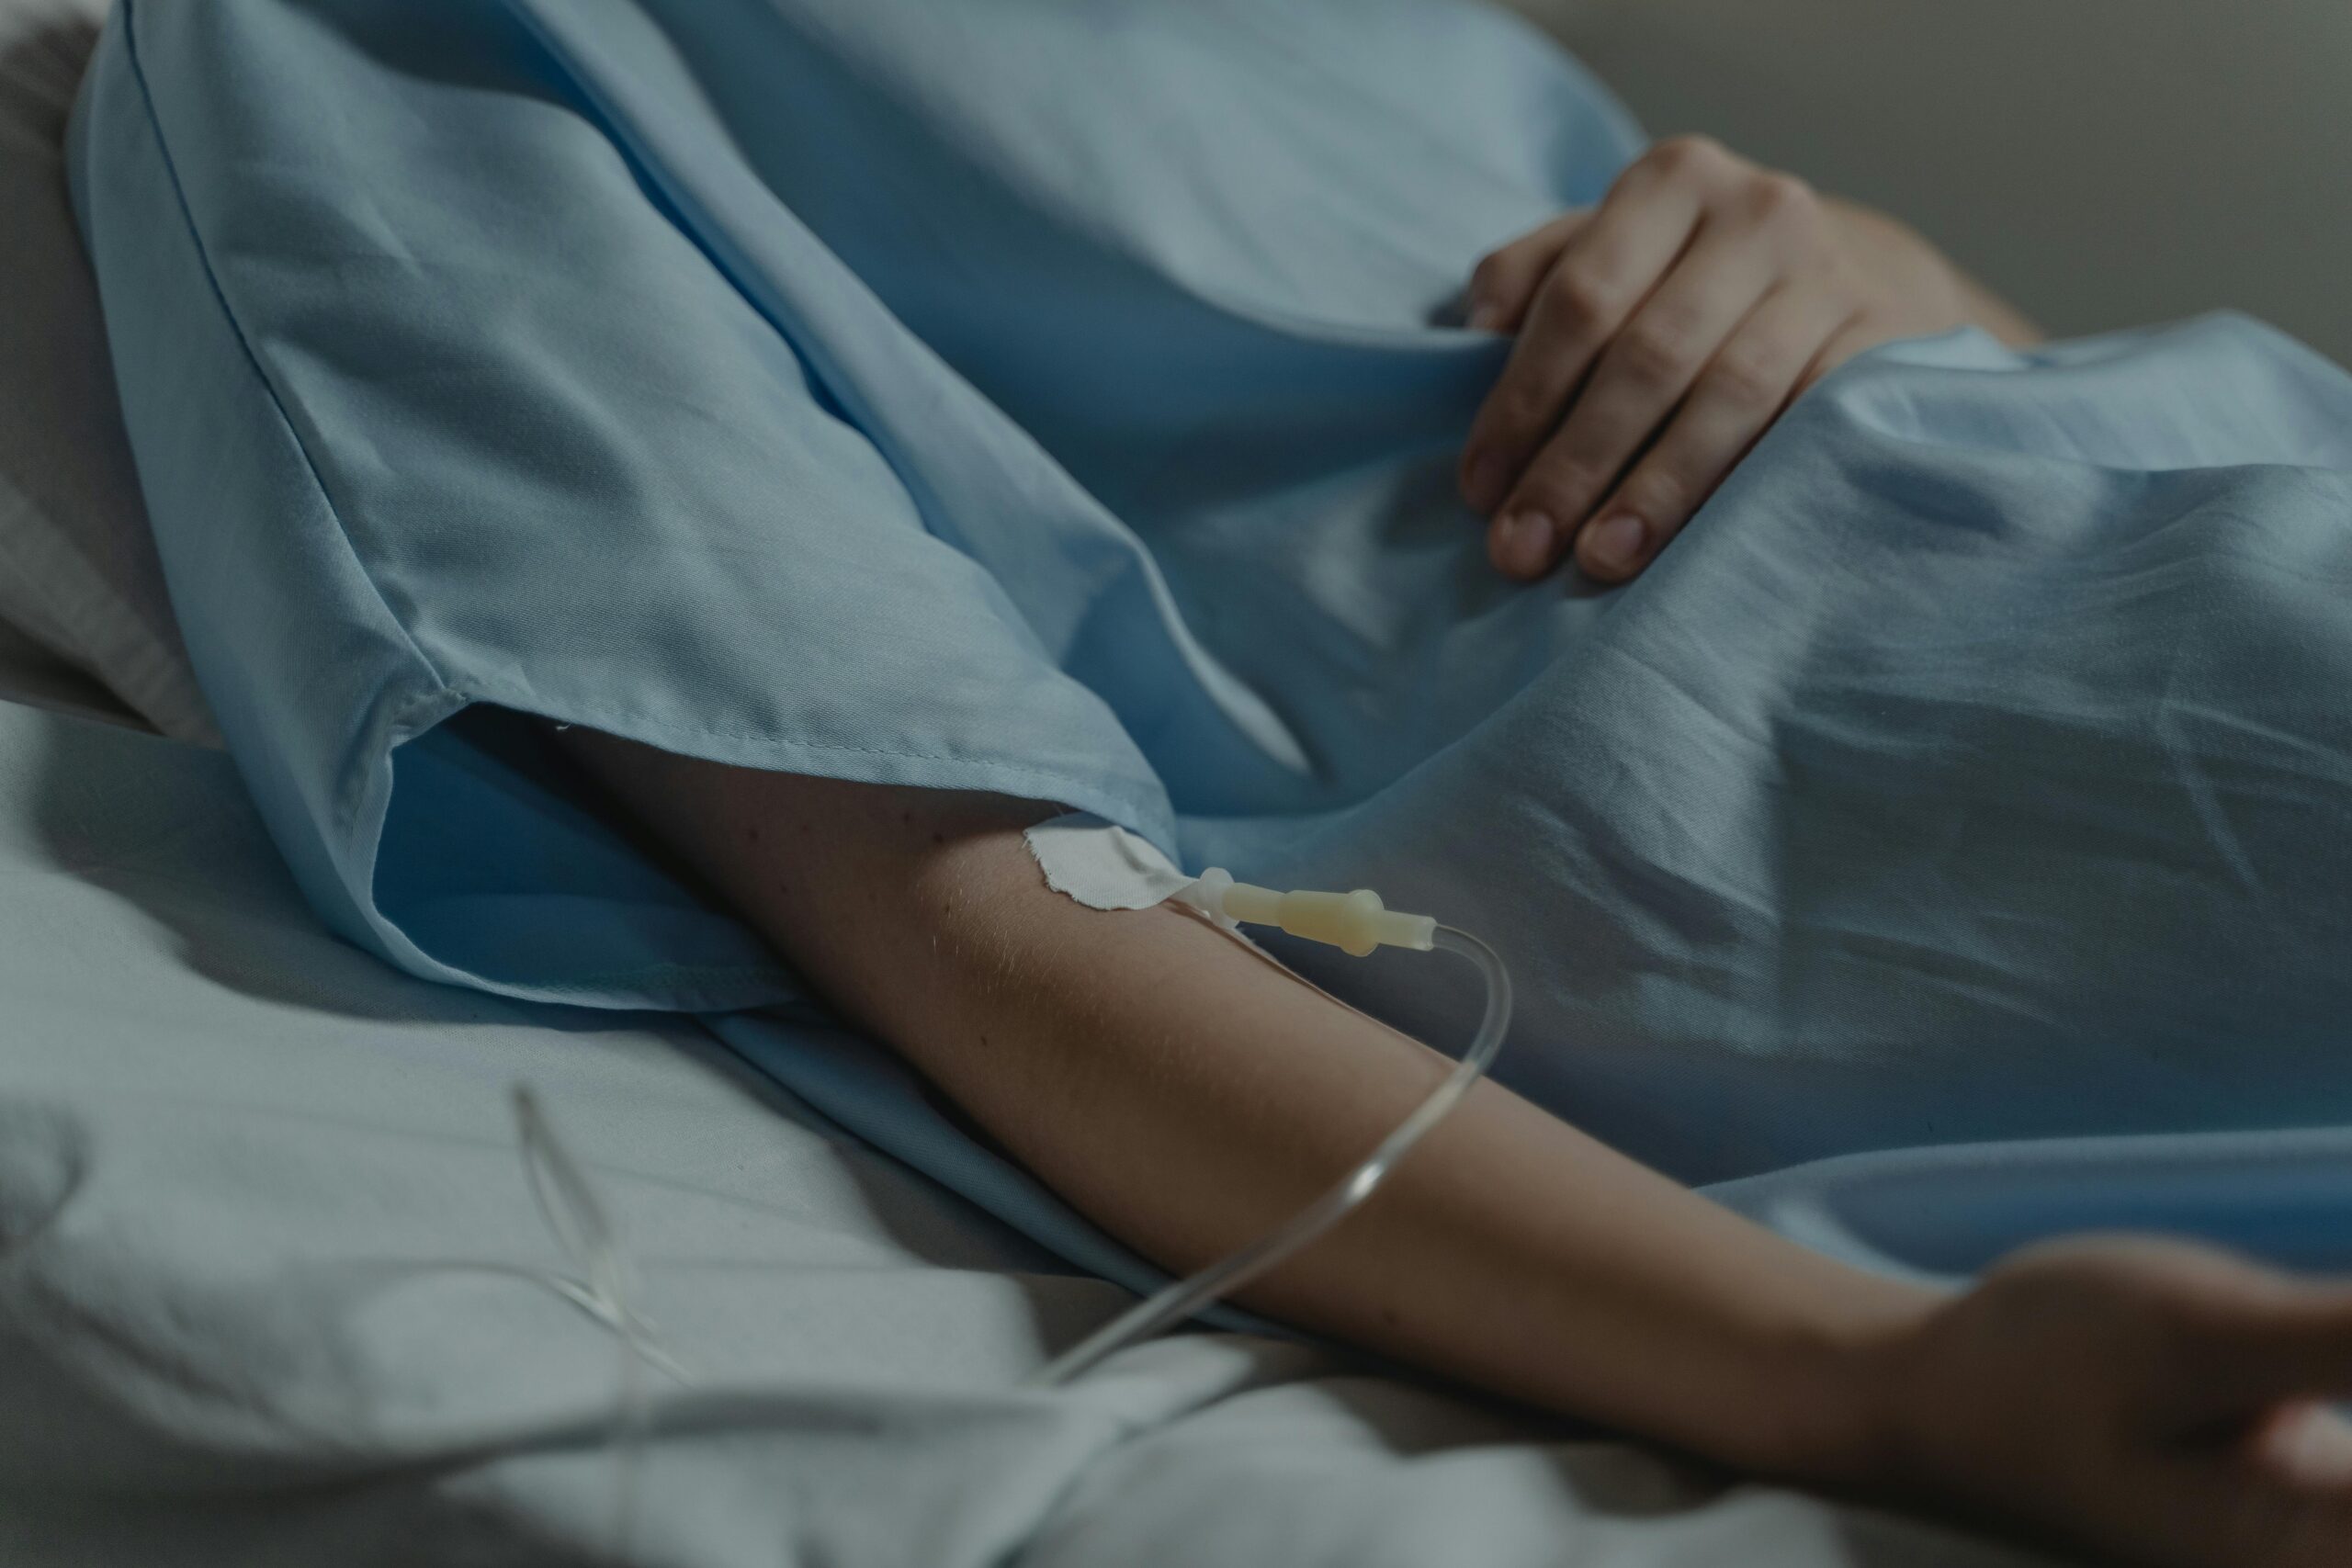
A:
(1840, 1421)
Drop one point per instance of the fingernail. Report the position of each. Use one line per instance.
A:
(1526, 547)
(1488, 479)
(1615, 541)
(1484, 316)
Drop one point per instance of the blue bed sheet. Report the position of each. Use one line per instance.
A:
(1059, 401)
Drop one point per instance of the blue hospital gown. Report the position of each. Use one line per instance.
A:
(1059, 400)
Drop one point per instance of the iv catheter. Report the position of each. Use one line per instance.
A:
(1356, 923)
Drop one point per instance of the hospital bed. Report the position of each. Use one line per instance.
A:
(285, 1276)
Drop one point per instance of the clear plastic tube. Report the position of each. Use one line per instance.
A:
(1184, 1297)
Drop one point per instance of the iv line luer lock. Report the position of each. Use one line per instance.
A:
(1355, 923)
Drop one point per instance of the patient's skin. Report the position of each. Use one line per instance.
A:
(2151, 1401)
(2145, 1399)
(1660, 332)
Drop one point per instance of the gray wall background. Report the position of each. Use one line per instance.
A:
(2103, 163)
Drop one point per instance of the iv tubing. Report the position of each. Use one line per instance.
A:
(1184, 1298)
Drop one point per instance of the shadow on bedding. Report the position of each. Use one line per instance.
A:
(168, 827)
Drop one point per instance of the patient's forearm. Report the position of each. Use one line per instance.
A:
(1188, 1096)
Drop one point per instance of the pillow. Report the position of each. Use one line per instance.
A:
(78, 570)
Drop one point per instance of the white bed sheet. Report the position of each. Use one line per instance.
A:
(238, 1161)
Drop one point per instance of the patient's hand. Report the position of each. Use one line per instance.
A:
(2152, 1400)
(1660, 332)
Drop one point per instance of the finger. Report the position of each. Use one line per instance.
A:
(1504, 281)
(1644, 372)
(1609, 266)
(1736, 397)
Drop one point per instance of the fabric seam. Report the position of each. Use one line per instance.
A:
(278, 400)
(441, 682)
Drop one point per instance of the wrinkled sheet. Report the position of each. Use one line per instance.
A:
(1057, 400)
(264, 1228)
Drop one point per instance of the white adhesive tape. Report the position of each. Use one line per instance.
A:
(1101, 864)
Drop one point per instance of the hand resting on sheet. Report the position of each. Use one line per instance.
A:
(1660, 332)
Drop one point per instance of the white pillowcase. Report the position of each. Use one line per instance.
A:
(78, 572)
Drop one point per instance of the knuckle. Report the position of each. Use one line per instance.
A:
(1743, 377)
(1521, 406)
(1493, 271)
(1682, 156)
(1578, 298)
(1782, 200)
(1652, 351)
